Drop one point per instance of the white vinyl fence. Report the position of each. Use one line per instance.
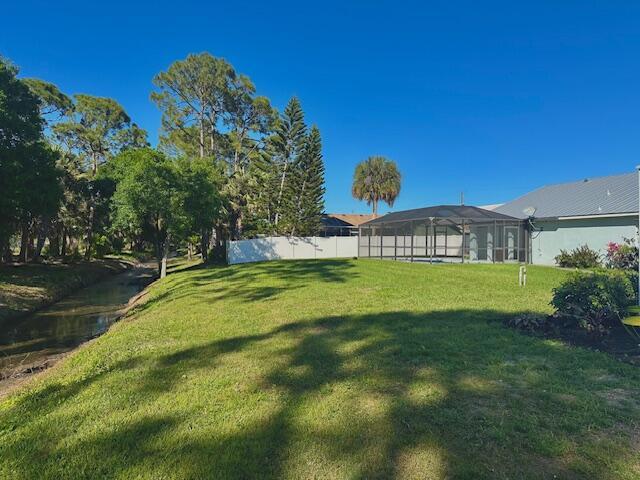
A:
(275, 248)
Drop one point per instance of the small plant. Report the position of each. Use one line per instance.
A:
(593, 301)
(529, 322)
(622, 255)
(581, 257)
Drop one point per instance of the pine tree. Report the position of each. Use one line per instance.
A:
(306, 186)
(264, 171)
(288, 143)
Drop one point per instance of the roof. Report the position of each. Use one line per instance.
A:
(493, 206)
(331, 221)
(614, 194)
(451, 212)
(354, 219)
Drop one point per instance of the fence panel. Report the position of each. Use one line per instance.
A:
(290, 248)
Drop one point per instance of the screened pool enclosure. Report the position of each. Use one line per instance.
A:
(446, 233)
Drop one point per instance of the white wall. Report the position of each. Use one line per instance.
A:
(569, 234)
(275, 248)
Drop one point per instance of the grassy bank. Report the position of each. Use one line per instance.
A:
(25, 288)
(329, 369)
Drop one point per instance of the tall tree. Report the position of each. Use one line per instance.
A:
(192, 96)
(288, 142)
(306, 188)
(376, 179)
(52, 101)
(249, 118)
(148, 193)
(97, 129)
(201, 198)
(28, 174)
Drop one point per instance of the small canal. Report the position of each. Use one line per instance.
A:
(28, 342)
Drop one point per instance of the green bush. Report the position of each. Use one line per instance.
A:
(101, 246)
(593, 301)
(529, 322)
(581, 257)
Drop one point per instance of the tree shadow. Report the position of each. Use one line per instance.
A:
(212, 283)
(448, 394)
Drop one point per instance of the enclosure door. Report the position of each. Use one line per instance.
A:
(482, 234)
(511, 242)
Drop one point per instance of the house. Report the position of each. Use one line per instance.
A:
(533, 228)
(593, 212)
(342, 224)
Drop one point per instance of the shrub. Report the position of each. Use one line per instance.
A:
(529, 322)
(581, 257)
(593, 301)
(622, 255)
(100, 246)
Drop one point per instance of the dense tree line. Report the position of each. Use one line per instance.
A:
(79, 179)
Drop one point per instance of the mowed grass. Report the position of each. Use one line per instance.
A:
(329, 369)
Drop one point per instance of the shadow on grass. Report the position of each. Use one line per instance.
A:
(240, 281)
(446, 394)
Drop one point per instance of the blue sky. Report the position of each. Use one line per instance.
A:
(493, 99)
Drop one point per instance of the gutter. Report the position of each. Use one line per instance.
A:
(602, 215)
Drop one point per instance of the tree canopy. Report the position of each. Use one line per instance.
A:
(376, 179)
(97, 129)
(79, 178)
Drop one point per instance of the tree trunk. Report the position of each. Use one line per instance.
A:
(5, 251)
(299, 212)
(375, 208)
(213, 237)
(87, 252)
(42, 230)
(63, 239)
(201, 134)
(54, 241)
(236, 155)
(94, 163)
(284, 175)
(24, 243)
(39, 245)
(165, 255)
(204, 244)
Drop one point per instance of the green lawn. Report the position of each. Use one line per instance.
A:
(329, 369)
(24, 288)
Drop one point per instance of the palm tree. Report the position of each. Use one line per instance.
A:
(377, 178)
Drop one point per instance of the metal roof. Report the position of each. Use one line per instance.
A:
(614, 194)
(455, 213)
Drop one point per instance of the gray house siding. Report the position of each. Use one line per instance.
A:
(555, 235)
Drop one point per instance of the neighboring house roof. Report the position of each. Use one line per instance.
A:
(453, 212)
(614, 194)
(354, 219)
(331, 221)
